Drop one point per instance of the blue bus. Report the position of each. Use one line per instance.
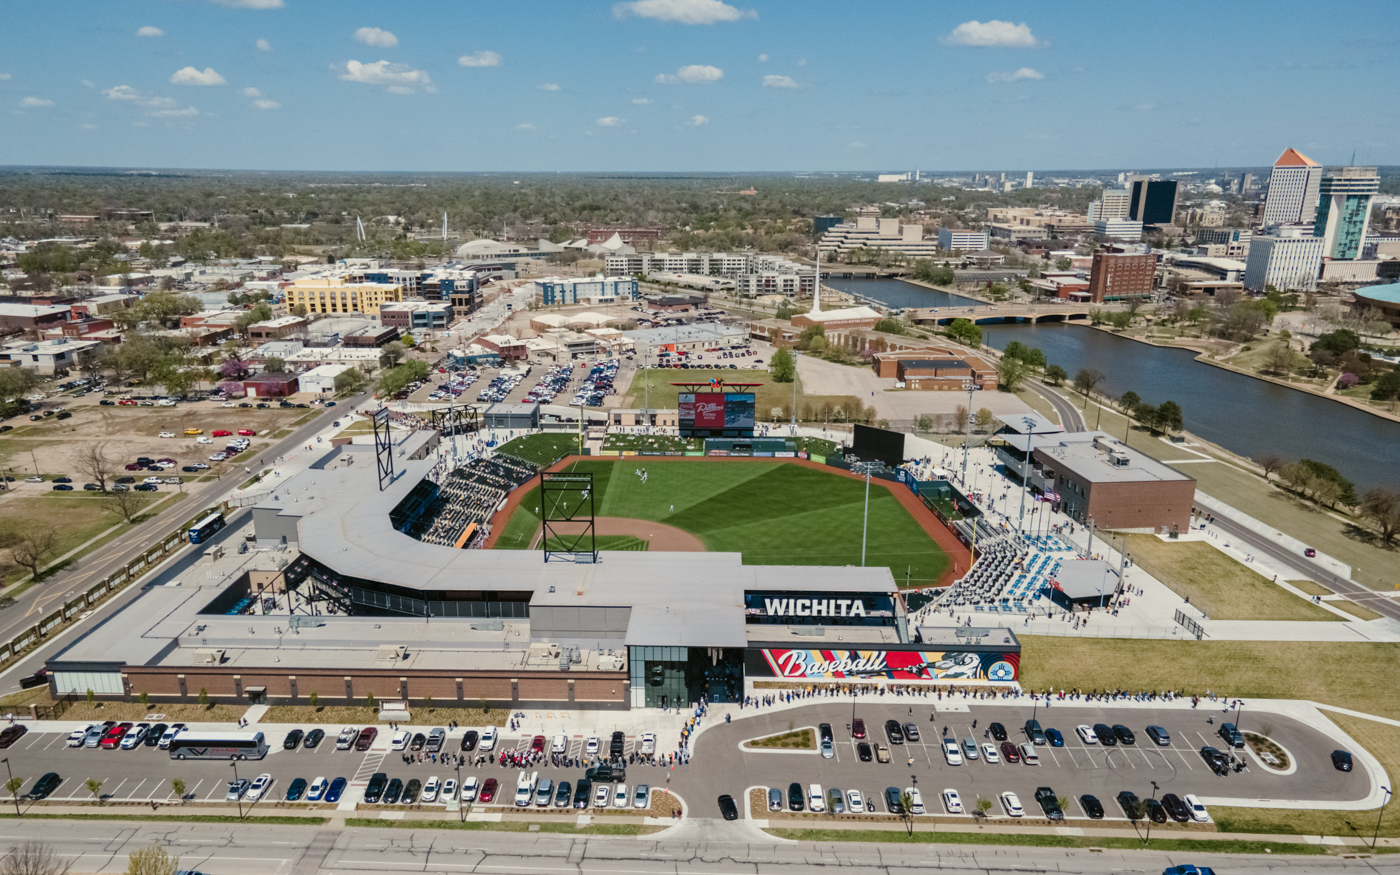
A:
(203, 530)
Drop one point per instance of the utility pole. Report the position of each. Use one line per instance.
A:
(967, 427)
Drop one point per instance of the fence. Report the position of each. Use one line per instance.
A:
(54, 711)
(1095, 631)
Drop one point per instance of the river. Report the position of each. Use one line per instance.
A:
(1244, 415)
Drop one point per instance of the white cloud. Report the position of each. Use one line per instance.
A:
(263, 45)
(697, 121)
(267, 104)
(641, 101)
(86, 83)
(695, 74)
(35, 102)
(399, 78)
(611, 121)
(1023, 73)
(763, 59)
(1144, 107)
(4, 76)
(480, 59)
(683, 11)
(779, 82)
(191, 76)
(122, 92)
(992, 33)
(550, 86)
(250, 4)
(801, 62)
(176, 113)
(525, 127)
(251, 92)
(150, 31)
(373, 36)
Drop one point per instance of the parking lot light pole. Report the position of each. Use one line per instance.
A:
(236, 788)
(1149, 814)
(1374, 836)
(461, 815)
(11, 773)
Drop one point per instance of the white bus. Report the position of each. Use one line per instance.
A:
(218, 746)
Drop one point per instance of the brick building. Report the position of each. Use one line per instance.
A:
(1117, 277)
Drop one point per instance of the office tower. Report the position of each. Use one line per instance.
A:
(1344, 211)
(1112, 204)
(1030, 179)
(1153, 201)
(1286, 263)
(1293, 190)
(1246, 182)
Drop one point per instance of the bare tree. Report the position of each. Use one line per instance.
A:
(1270, 462)
(126, 502)
(94, 462)
(1382, 507)
(33, 549)
(1086, 380)
(33, 858)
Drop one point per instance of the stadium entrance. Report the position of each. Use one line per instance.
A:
(670, 677)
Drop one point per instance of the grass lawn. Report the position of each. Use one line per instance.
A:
(540, 450)
(1361, 612)
(767, 395)
(800, 739)
(1358, 676)
(772, 513)
(1381, 740)
(77, 517)
(614, 543)
(1219, 585)
(1311, 587)
(1040, 840)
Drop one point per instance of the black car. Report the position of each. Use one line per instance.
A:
(1034, 733)
(1176, 808)
(1156, 811)
(863, 751)
(563, 795)
(375, 789)
(607, 773)
(125, 479)
(39, 678)
(1105, 734)
(727, 809)
(998, 731)
(618, 744)
(293, 739)
(1092, 806)
(796, 798)
(1131, 805)
(1049, 803)
(824, 730)
(1124, 734)
(419, 739)
(91, 487)
(1341, 760)
(153, 735)
(410, 792)
(313, 739)
(1232, 735)
(583, 793)
(44, 786)
(188, 469)
(393, 791)
(1159, 735)
(892, 800)
(469, 740)
(894, 732)
(1216, 759)
(145, 487)
(63, 479)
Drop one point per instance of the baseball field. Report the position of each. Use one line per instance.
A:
(772, 512)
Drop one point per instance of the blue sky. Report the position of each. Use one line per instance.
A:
(700, 85)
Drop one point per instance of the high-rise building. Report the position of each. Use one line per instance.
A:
(1246, 182)
(1293, 189)
(1116, 277)
(1344, 211)
(1286, 263)
(1114, 203)
(1030, 179)
(1152, 201)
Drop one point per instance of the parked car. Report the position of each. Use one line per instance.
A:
(259, 786)
(1011, 804)
(313, 739)
(1198, 811)
(1092, 806)
(1177, 809)
(1009, 752)
(894, 732)
(1049, 803)
(365, 738)
(44, 786)
(295, 790)
(727, 809)
(1105, 735)
(1124, 734)
(1341, 760)
(335, 790)
(1159, 735)
(293, 739)
(1034, 732)
(858, 728)
(316, 790)
(998, 731)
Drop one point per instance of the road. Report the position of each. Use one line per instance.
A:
(1071, 420)
(697, 848)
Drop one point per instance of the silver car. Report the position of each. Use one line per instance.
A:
(828, 749)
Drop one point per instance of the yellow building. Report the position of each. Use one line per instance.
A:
(335, 295)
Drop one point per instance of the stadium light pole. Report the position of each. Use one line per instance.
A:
(865, 468)
(1026, 470)
(794, 391)
(967, 426)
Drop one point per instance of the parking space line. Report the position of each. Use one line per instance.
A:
(57, 736)
(34, 740)
(137, 788)
(113, 791)
(1182, 754)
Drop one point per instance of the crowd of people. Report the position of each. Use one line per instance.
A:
(471, 494)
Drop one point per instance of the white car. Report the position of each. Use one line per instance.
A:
(816, 800)
(171, 481)
(952, 802)
(916, 800)
(1198, 811)
(951, 752)
(400, 740)
(317, 789)
(648, 744)
(620, 796)
(469, 789)
(259, 787)
(218, 457)
(166, 434)
(560, 745)
(1087, 734)
(855, 803)
(203, 440)
(590, 747)
(134, 736)
(488, 739)
(601, 796)
(229, 404)
(1012, 803)
(989, 753)
(75, 738)
(449, 790)
(35, 479)
(430, 790)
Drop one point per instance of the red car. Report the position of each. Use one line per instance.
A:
(1310, 553)
(488, 790)
(365, 738)
(11, 734)
(113, 736)
(126, 402)
(537, 744)
(221, 432)
(1009, 752)
(857, 728)
(132, 466)
(247, 432)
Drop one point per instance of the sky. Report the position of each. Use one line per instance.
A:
(695, 85)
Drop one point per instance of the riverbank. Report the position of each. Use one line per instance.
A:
(1202, 356)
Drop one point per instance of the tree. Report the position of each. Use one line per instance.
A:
(1169, 416)
(1279, 359)
(1010, 373)
(204, 697)
(13, 786)
(906, 810)
(370, 702)
(1086, 380)
(314, 700)
(96, 465)
(1120, 319)
(177, 786)
(983, 419)
(393, 352)
(965, 332)
(408, 341)
(924, 423)
(784, 309)
(1382, 507)
(782, 366)
(1055, 374)
(152, 860)
(982, 806)
(94, 787)
(234, 368)
(349, 382)
(298, 310)
(260, 313)
(91, 697)
(34, 858)
(1129, 402)
(274, 365)
(1270, 462)
(813, 338)
(33, 549)
(126, 503)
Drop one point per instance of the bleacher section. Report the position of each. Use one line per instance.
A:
(1011, 572)
(469, 495)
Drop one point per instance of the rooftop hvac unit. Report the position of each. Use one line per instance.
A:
(208, 657)
(1118, 460)
(391, 653)
(31, 347)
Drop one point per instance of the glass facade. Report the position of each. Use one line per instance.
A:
(658, 676)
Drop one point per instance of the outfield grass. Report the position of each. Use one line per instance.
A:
(772, 513)
(1219, 585)
(540, 450)
(1359, 676)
